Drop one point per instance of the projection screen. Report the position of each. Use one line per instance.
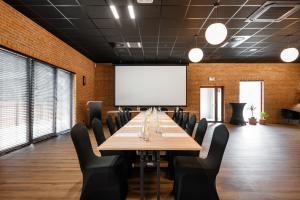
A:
(150, 85)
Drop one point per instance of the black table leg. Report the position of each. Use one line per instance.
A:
(141, 175)
(158, 173)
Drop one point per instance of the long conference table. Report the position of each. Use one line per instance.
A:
(170, 137)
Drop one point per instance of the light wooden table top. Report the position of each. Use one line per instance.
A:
(173, 137)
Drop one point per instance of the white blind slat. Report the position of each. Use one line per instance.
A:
(14, 100)
(43, 100)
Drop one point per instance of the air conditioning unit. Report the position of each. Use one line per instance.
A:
(274, 11)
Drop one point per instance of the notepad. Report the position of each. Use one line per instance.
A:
(175, 134)
(126, 134)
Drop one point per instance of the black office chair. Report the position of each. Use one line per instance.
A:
(128, 109)
(185, 120)
(103, 177)
(191, 125)
(180, 117)
(128, 114)
(177, 116)
(110, 124)
(174, 114)
(143, 109)
(199, 136)
(118, 121)
(125, 115)
(163, 109)
(94, 111)
(195, 178)
(122, 118)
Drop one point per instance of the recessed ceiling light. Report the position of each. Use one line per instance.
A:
(145, 1)
(252, 50)
(131, 12)
(114, 11)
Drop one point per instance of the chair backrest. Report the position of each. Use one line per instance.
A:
(128, 114)
(95, 108)
(122, 118)
(118, 121)
(125, 115)
(174, 114)
(217, 148)
(180, 116)
(185, 119)
(82, 143)
(127, 109)
(191, 125)
(143, 109)
(110, 124)
(200, 131)
(177, 116)
(163, 109)
(98, 131)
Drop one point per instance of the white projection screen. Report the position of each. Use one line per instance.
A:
(150, 85)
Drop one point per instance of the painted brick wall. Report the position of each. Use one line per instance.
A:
(19, 33)
(281, 84)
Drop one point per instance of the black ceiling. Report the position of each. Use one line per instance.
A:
(165, 29)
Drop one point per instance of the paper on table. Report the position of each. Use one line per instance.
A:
(175, 134)
(126, 134)
(132, 126)
(165, 126)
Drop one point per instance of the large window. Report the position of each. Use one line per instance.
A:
(35, 100)
(64, 101)
(14, 101)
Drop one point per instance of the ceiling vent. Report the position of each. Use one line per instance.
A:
(235, 41)
(131, 45)
(274, 11)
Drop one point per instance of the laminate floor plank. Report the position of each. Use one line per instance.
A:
(260, 162)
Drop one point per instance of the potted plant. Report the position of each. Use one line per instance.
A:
(263, 117)
(252, 120)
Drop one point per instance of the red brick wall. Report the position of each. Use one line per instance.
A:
(105, 86)
(281, 84)
(19, 33)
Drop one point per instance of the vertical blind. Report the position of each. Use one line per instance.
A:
(35, 100)
(14, 100)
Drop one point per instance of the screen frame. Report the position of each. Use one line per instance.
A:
(170, 65)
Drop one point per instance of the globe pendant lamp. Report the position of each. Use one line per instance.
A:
(289, 54)
(216, 33)
(195, 54)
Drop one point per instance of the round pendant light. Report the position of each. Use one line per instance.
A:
(289, 54)
(195, 55)
(216, 33)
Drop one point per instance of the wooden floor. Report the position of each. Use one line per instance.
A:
(260, 163)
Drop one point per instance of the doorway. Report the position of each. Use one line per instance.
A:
(211, 103)
(251, 93)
